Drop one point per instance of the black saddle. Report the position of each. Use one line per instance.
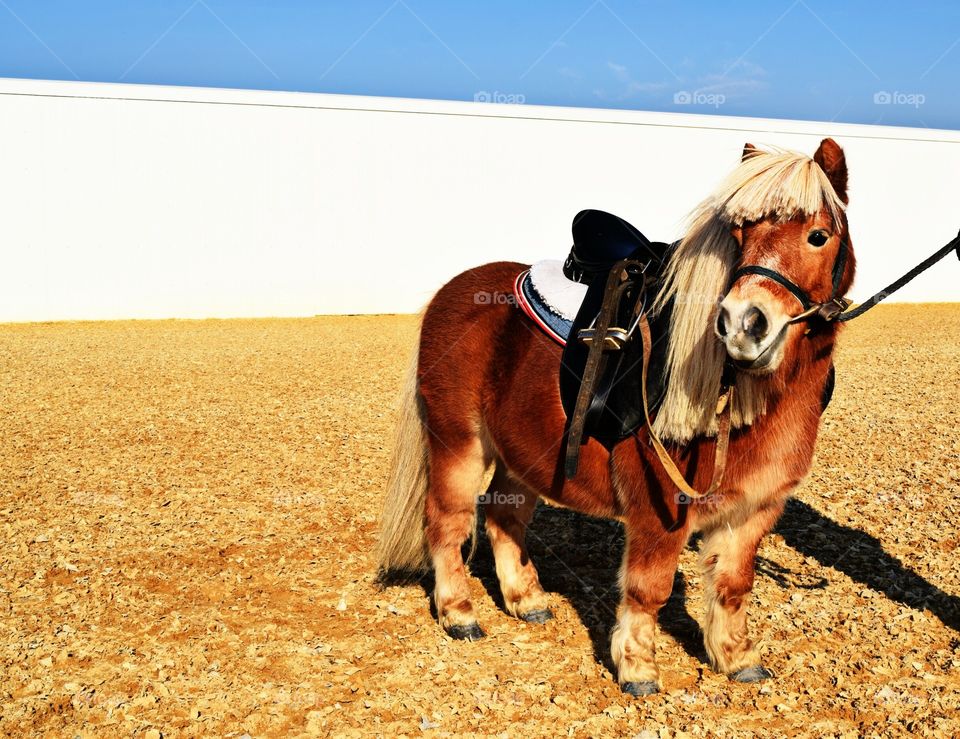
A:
(601, 240)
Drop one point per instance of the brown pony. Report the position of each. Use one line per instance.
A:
(482, 392)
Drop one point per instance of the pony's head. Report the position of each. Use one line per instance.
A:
(769, 242)
(786, 213)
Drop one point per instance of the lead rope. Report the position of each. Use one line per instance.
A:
(894, 286)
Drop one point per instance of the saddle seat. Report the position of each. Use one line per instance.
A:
(600, 240)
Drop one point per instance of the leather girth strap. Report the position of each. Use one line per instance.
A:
(724, 406)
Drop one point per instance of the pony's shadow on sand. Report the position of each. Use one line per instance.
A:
(862, 558)
(579, 558)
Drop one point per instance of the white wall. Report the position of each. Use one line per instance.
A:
(122, 201)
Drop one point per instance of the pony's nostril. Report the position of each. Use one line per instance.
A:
(722, 317)
(755, 323)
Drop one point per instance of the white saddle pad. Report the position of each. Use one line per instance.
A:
(562, 296)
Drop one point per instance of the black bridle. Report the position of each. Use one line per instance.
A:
(835, 309)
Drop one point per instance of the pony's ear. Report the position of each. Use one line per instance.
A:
(748, 151)
(832, 161)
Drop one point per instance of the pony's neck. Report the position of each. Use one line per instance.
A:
(800, 379)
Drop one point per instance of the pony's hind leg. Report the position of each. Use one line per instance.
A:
(456, 474)
(509, 506)
(728, 554)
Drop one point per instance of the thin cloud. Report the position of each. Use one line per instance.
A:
(629, 87)
(734, 88)
(742, 79)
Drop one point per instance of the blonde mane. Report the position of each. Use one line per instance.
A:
(767, 184)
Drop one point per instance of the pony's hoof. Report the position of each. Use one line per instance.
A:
(755, 674)
(640, 689)
(539, 616)
(470, 632)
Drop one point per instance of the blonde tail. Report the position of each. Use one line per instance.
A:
(403, 542)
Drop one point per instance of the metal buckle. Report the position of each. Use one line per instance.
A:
(827, 311)
(833, 308)
(615, 339)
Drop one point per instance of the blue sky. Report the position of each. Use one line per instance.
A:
(895, 63)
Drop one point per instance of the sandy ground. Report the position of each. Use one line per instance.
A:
(189, 509)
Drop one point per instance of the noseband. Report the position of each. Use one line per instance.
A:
(835, 309)
(829, 310)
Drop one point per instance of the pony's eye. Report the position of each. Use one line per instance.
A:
(818, 237)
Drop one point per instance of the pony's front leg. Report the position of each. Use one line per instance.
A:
(646, 577)
(728, 557)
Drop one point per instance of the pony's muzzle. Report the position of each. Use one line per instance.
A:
(747, 329)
